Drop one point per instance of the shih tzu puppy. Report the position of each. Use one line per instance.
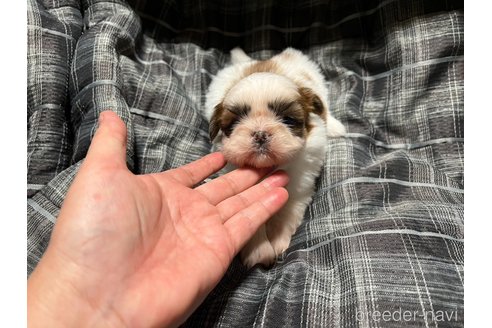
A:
(273, 113)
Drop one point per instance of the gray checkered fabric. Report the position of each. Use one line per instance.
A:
(381, 245)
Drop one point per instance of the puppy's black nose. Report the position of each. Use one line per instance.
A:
(260, 137)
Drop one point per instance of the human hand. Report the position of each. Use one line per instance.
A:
(144, 250)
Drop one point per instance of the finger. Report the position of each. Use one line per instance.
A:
(108, 145)
(195, 172)
(239, 202)
(231, 184)
(243, 225)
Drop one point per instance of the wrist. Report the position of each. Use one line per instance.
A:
(54, 300)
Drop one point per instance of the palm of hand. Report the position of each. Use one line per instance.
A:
(153, 228)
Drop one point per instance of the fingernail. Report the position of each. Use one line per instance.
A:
(102, 117)
(109, 118)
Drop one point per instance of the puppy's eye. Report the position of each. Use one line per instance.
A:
(229, 127)
(290, 121)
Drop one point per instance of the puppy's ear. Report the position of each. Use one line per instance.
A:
(239, 56)
(312, 102)
(214, 125)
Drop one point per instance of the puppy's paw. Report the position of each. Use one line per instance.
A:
(258, 253)
(280, 241)
(279, 231)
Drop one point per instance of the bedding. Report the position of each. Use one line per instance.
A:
(382, 242)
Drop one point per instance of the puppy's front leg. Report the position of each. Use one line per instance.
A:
(283, 225)
(258, 250)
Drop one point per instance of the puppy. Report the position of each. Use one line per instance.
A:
(273, 113)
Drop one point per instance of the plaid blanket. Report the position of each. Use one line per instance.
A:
(382, 242)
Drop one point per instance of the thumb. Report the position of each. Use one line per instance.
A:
(109, 143)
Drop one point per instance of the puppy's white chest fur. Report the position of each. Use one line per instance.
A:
(273, 113)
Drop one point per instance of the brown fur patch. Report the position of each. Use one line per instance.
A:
(262, 66)
(214, 125)
(224, 118)
(311, 103)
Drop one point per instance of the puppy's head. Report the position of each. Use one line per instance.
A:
(264, 120)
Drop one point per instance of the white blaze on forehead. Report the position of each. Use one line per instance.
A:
(257, 89)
